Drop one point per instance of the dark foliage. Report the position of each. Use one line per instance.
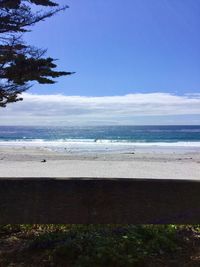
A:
(21, 63)
(99, 245)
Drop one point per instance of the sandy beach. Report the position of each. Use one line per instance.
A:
(40, 162)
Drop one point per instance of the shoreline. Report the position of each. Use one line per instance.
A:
(42, 162)
(105, 146)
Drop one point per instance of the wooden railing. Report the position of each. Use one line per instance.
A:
(82, 200)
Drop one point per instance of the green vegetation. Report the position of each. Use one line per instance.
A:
(99, 245)
(20, 63)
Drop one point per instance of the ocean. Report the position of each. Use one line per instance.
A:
(103, 138)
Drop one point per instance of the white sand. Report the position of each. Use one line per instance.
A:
(26, 162)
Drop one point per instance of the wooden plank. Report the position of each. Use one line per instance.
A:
(82, 200)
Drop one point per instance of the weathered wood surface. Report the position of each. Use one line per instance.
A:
(76, 200)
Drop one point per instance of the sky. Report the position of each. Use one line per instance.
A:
(121, 51)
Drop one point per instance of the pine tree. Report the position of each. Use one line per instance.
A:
(21, 63)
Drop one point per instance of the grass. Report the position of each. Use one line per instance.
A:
(99, 245)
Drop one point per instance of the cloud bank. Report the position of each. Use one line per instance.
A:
(150, 108)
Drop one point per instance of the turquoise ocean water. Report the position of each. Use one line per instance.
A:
(107, 138)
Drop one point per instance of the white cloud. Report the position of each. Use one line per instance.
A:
(151, 108)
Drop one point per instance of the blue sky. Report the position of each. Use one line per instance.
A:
(122, 47)
(136, 62)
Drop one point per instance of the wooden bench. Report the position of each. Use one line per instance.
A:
(86, 200)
